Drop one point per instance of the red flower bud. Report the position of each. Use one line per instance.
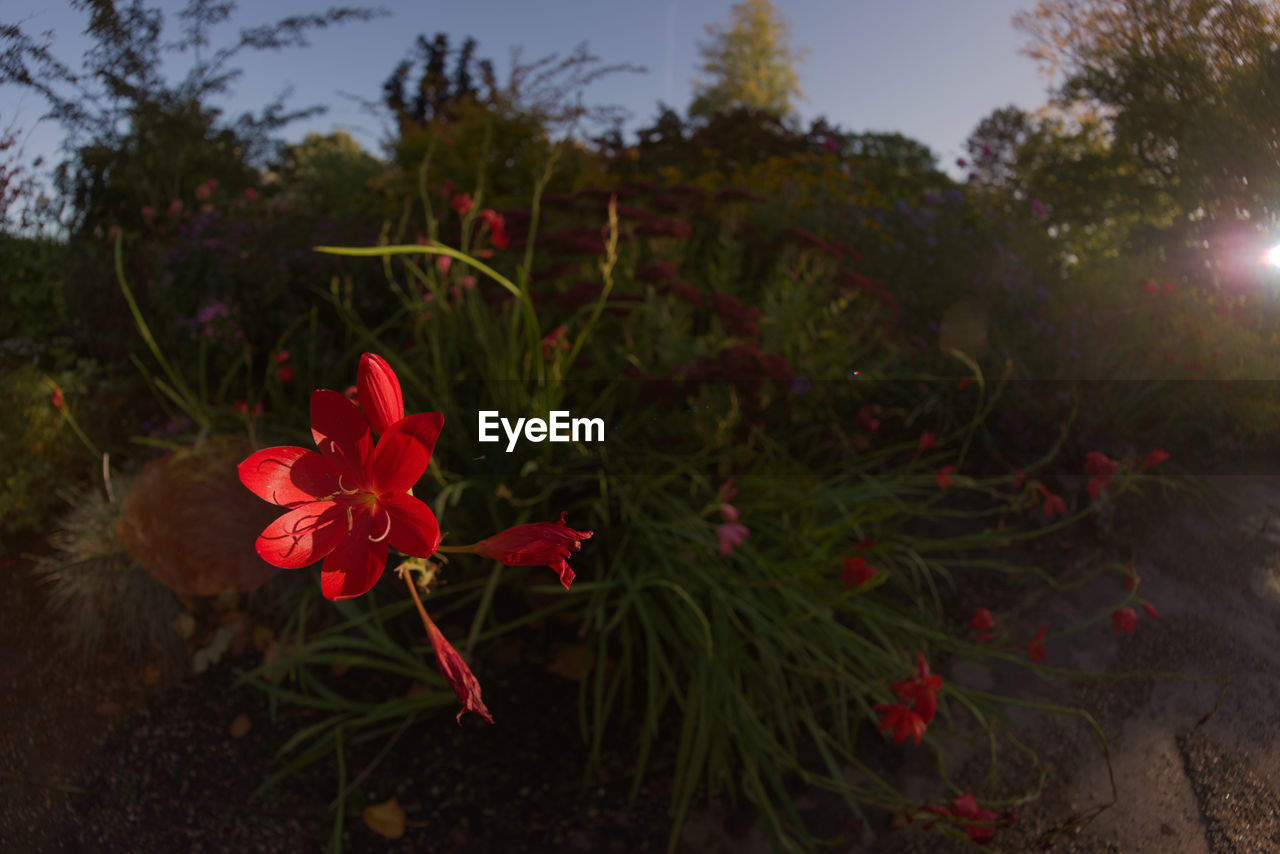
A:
(538, 544)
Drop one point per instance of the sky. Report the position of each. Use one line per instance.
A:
(929, 69)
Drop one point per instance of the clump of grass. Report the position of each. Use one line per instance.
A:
(99, 597)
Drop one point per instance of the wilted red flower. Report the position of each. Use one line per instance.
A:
(966, 808)
(538, 544)
(928, 441)
(1132, 579)
(55, 397)
(1154, 458)
(981, 622)
(1052, 503)
(348, 503)
(460, 677)
(1124, 620)
(902, 721)
(1151, 610)
(1035, 648)
(857, 572)
(944, 476)
(461, 203)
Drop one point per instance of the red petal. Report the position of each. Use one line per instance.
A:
(355, 565)
(341, 433)
(459, 676)
(423, 426)
(414, 530)
(398, 461)
(288, 476)
(303, 536)
(380, 396)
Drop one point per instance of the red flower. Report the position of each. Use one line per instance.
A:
(902, 721)
(966, 808)
(348, 504)
(868, 417)
(284, 374)
(1155, 458)
(555, 339)
(944, 476)
(460, 677)
(921, 689)
(1132, 579)
(497, 228)
(1052, 503)
(981, 622)
(1124, 620)
(857, 572)
(1035, 649)
(539, 544)
(964, 383)
(928, 441)
(461, 203)
(1018, 478)
(1102, 468)
(55, 397)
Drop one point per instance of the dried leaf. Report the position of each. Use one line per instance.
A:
(385, 819)
(568, 660)
(240, 726)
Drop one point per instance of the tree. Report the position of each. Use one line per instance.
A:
(750, 65)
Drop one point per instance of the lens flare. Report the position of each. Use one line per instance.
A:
(1273, 256)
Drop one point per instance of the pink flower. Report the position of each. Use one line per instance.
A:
(731, 535)
(148, 212)
(1037, 207)
(1124, 620)
(443, 263)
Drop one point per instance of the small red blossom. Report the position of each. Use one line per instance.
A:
(555, 340)
(903, 722)
(944, 476)
(1101, 468)
(1151, 610)
(175, 207)
(1154, 458)
(349, 503)
(1131, 578)
(250, 194)
(982, 622)
(975, 821)
(241, 406)
(1035, 648)
(539, 544)
(928, 441)
(148, 212)
(1018, 478)
(1124, 620)
(964, 383)
(55, 397)
(1052, 503)
(284, 374)
(461, 679)
(857, 572)
(497, 228)
(868, 417)
(461, 204)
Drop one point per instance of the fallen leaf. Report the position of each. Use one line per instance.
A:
(385, 819)
(240, 726)
(568, 660)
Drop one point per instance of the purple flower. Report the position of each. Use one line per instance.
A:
(1037, 207)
